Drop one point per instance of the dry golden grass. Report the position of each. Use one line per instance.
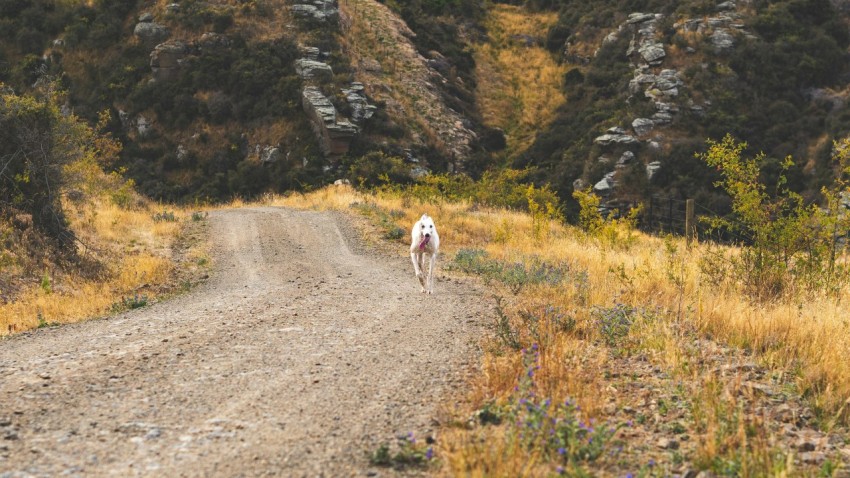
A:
(133, 249)
(519, 86)
(808, 340)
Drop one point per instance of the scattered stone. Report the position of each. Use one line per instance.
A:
(805, 444)
(341, 182)
(579, 184)
(182, 152)
(785, 413)
(146, 17)
(616, 130)
(310, 53)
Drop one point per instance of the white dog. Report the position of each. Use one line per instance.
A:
(424, 240)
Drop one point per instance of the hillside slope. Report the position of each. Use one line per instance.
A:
(650, 81)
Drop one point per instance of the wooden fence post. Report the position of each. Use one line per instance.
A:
(690, 225)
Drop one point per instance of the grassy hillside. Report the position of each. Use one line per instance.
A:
(519, 81)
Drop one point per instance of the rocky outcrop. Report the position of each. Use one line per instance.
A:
(309, 69)
(167, 59)
(335, 135)
(317, 10)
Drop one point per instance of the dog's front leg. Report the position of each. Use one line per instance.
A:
(431, 266)
(416, 257)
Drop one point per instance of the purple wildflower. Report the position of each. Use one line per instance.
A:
(429, 453)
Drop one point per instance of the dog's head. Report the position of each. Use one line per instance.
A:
(426, 226)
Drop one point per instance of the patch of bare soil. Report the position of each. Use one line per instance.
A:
(302, 353)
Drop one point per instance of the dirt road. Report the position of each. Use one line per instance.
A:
(302, 353)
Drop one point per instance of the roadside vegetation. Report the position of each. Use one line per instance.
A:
(77, 242)
(618, 353)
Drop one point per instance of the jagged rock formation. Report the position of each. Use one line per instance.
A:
(334, 134)
(661, 85)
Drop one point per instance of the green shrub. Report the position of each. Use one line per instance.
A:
(789, 246)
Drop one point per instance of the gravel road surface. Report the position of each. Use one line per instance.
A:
(302, 352)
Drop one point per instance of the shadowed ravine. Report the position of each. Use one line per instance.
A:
(301, 353)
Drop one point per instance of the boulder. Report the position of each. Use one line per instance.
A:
(722, 40)
(730, 5)
(642, 126)
(615, 130)
(314, 70)
(609, 139)
(167, 59)
(172, 8)
(146, 17)
(652, 52)
(151, 33)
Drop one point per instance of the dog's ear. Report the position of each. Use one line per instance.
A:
(424, 217)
